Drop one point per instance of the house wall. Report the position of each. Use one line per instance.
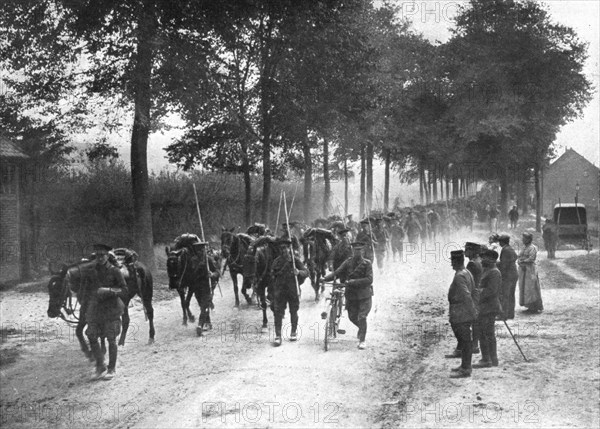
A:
(10, 244)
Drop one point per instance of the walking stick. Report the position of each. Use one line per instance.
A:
(287, 219)
(515, 340)
(203, 239)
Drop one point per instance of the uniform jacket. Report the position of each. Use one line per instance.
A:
(506, 265)
(475, 268)
(462, 307)
(381, 236)
(282, 273)
(490, 286)
(107, 309)
(200, 267)
(358, 277)
(341, 251)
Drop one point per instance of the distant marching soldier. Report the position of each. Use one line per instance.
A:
(462, 312)
(366, 236)
(475, 267)
(207, 283)
(381, 238)
(357, 273)
(106, 291)
(550, 237)
(351, 225)
(513, 215)
(413, 228)
(397, 238)
(285, 291)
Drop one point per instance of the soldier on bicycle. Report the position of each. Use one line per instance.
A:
(357, 273)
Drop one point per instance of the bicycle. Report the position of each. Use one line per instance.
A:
(334, 313)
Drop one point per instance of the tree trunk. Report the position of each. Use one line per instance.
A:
(428, 188)
(503, 194)
(247, 186)
(369, 177)
(326, 180)
(523, 195)
(308, 167)
(434, 184)
(447, 189)
(454, 186)
(362, 182)
(421, 182)
(386, 186)
(345, 187)
(538, 200)
(441, 188)
(142, 212)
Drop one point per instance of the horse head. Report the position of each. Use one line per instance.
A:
(227, 240)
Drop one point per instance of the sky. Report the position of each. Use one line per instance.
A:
(433, 18)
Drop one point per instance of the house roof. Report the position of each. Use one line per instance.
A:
(570, 154)
(9, 149)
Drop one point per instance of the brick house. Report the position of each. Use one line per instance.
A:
(560, 181)
(11, 162)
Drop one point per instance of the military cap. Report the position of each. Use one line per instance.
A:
(457, 254)
(472, 246)
(357, 244)
(101, 247)
(504, 238)
(349, 215)
(391, 214)
(364, 221)
(284, 241)
(528, 234)
(343, 231)
(489, 255)
(494, 237)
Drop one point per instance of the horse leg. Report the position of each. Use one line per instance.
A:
(188, 299)
(234, 279)
(181, 293)
(126, 321)
(150, 314)
(246, 284)
(263, 304)
(82, 342)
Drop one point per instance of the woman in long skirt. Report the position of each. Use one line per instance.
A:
(530, 294)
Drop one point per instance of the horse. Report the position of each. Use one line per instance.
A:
(66, 293)
(318, 245)
(258, 261)
(62, 302)
(233, 249)
(185, 272)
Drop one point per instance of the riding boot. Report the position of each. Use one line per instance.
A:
(112, 354)
(362, 329)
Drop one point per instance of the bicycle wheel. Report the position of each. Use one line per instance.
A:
(326, 337)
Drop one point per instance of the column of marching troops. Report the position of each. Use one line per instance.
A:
(480, 293)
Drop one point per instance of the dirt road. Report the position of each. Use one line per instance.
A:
(233, 377)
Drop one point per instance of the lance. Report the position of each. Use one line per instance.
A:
(203, 239)
(293, 199)
(370, 228)
(287, 220)
(278, 211)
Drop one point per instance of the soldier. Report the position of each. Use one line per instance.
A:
(397, 236)
(351, 224)
(434, 220)
(513, 215)
(288, 234)
(462, 311)
(207, 281)
(472, 251)
(342, 250)
(365, 236)
(510, 276)
(550, 236)
(285, 292)
(488, 308)
(413, 228)
(358, 275)
(381, 238)
(106, 290)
